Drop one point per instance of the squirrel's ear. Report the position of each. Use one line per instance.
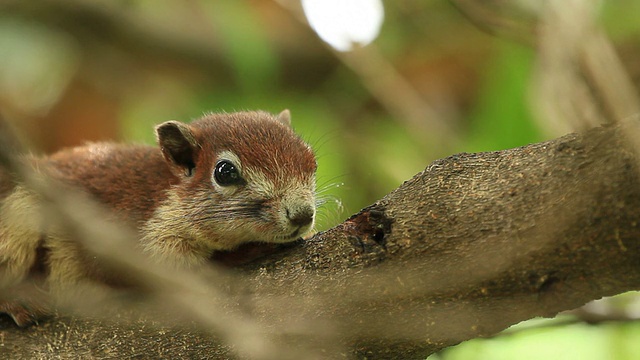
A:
(179, 146)
(284, 117)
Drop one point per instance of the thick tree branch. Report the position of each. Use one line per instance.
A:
(473, 244)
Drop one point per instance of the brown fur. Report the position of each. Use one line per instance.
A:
(131, 179)
(168, 194)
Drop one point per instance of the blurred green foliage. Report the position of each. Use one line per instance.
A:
(501, 118)
(568, 342)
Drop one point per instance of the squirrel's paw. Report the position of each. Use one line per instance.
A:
(23, 312)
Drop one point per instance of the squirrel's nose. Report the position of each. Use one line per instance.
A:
(301, 217)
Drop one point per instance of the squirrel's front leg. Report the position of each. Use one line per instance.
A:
(26, 303)
(62, 282)
(21, 293)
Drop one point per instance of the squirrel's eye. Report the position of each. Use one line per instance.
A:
(227, 174)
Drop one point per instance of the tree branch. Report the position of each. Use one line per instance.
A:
(473, 244)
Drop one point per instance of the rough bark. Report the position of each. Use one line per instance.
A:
(471, 245)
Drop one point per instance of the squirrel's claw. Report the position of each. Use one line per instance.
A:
(24, 313)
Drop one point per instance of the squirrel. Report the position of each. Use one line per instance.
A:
(211, 185)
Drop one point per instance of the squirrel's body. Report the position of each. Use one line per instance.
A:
(112, 174)
(211, 185)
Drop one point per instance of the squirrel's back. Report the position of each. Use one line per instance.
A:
(130, 179)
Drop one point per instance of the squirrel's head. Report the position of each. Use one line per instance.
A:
(242, 177)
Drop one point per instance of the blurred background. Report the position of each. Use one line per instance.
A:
(439, 77)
